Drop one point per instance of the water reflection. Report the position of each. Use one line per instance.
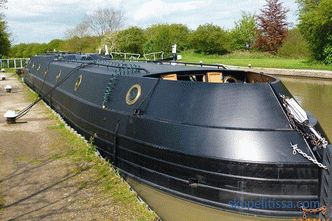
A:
(314, 96)
(171, 208)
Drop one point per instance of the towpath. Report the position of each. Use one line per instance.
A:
(42, 178)
(301, 73)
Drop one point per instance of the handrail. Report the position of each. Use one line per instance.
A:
(191, 63)
(124, 54)
(104, 64)
(154, 55)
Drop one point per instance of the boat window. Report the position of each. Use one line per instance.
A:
(57, 77)
(171, 77)
(213, 77)
(133, 94)
(78, 82)
(224, 76)
(230, 79)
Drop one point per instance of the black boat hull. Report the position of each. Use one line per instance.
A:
(133, 144)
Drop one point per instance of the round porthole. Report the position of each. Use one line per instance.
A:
(78, 82)
(133, 94)
(230, 79)
(57, 77)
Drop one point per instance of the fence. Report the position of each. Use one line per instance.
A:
(14, 62)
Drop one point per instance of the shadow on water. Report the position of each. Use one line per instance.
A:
(315, 96)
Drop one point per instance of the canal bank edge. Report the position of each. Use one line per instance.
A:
(298, 73)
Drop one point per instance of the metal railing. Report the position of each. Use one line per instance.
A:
(154, 55)
(125, 56)
(14, 62)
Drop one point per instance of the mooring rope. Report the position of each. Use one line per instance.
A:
(26, 109)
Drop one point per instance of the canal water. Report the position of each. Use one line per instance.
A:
(314, 96)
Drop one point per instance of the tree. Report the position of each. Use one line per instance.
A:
(210, 39)
(244, 33)
(110, 40)
(315, 25)
(81, 30)
(78, 33)
(161, 37)
(104, 21)
(55, 44)
(4, 38)
(130, 40)
(272, 26)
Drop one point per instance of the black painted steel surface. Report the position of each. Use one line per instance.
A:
(222, 145)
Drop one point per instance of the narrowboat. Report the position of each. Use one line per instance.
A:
(230, 139)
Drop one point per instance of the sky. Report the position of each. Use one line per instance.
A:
(44, 20)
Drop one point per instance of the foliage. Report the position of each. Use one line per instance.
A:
(272, 26)
(244, 33)
(315, 25)
(110, 40)
(210, 39)
(83, 44)
(55, 44)
(130, 40)
(161, 37)
(4, 38)
(294, 46)
(27, 50)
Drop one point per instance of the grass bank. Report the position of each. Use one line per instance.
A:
(263, 60)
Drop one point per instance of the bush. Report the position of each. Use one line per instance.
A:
(161, 37)
(328, 54)
(210, 39)
(130, 40)
(315, 25)
(294, 46)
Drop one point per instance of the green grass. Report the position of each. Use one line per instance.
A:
(256, 59)
(83, 153)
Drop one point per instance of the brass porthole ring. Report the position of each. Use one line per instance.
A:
(133, 94)
(57, 77)
(78, 82)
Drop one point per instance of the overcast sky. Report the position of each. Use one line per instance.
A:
(44, 20)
